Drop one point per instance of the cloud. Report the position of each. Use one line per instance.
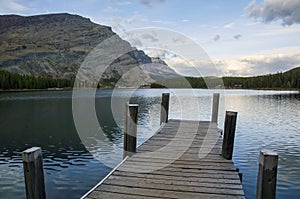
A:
(165, 23)
(185, 20)
(183, 66)
(229, 25)
(9, 6)
(217, 38)
(288, 11)
(121, 23)
(110, 10)
(194, 67)
(151, 36)
(237, 37)
(150, 3)
(242, 66)
(258, 65)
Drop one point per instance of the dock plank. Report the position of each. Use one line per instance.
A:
(198, 170)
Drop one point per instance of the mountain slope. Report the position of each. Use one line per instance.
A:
(55, 45)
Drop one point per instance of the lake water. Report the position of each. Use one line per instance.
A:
(266, 120)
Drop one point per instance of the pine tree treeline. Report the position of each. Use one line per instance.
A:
(10, 80)
(287, 80)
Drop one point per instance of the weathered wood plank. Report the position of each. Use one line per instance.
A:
(110, 195)
(182, 150)
(182, 182)
(161, 193)
(179, 161)
(188, 187)
(198, 170)
(184, 157)
(209, 165)
(192, 173)
(173, 177)
(220, 167)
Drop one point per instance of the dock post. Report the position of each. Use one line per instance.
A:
(34, 173)
(229, 132)
(215, 108)
(130, 130)
(240, 174)
(267, 175)
(164, 112)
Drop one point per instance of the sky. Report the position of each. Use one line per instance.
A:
(240, 37)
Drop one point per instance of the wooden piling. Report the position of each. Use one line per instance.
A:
(240, 176)
(164, 113)
(34, 173)
(155, 172)
(229, 132)
(130, 130)
(215, 108)
(267, 175)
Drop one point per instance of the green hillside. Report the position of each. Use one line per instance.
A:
(286, 80)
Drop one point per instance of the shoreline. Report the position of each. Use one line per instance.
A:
(70, 88)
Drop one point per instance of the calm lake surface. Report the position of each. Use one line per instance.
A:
(266, 120)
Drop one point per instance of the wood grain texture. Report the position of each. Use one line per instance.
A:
(199, 170)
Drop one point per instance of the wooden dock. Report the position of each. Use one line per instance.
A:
(181, 160)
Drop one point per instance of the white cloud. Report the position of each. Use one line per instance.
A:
(121, 24)
(193, 67)
(229, 25)
(258, 64)
(12, 6)
(288, 11)
(183, 66)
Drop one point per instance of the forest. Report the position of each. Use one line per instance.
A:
(10, 80)
(286, 80)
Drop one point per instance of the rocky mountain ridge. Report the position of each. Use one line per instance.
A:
(55, 45)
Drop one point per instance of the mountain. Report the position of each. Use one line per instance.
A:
(55, 45)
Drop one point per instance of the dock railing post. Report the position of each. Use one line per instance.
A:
(267, 175)
(130, 129)
(164, 112)
(34, 173)
(215, 108)
(229, 133)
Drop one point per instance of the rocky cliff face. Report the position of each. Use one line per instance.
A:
(55, 45)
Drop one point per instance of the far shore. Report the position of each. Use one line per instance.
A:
(70, 88)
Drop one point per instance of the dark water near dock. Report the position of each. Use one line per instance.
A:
(266, 119)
